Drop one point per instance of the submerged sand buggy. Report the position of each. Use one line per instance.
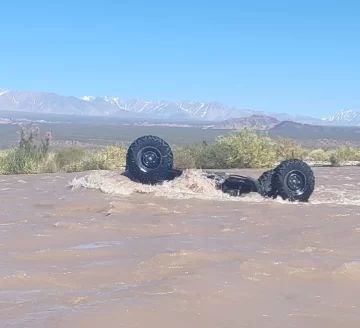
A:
(149, 160)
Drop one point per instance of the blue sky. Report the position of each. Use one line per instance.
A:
(283, 56)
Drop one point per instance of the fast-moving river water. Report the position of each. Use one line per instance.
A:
(112, 253)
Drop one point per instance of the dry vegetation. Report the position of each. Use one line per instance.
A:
(246, 149)
(34, 155)
(240, 149)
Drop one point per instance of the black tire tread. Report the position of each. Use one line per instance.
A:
(162, 172)
(265, 184)
(279, 176)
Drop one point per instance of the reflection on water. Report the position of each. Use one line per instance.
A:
(113, 253)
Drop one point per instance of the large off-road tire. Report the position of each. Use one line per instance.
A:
(149, 159)
(293, 180)
(265, 184)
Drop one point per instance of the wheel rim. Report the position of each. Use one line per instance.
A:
(150, 158)
(296, 182)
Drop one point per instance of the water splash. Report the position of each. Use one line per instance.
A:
(194, 184)
(191, 184)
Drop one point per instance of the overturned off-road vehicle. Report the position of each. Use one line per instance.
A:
(149, 160)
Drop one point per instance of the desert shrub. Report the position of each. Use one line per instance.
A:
(68, 158)
(3, 158)
(319, 155)
(212, 157)
(184, 158)
(335, 160)
(29, 155)
(347, 153)
(76, 159)
(94, 160)
(246, 149)
(344, 153)
(18, 160)
(243, 148)
(113, 157)
(110, 158)
(48, 165)
(286, 148)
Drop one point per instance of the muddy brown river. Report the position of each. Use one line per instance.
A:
(97, 250)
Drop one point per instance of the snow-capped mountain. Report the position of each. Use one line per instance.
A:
(49, 102)
(344, 117)
(3, 91)
(166, 109)
(45, 102)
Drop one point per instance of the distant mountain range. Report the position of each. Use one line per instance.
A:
(48, 102)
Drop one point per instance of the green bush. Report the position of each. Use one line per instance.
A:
(113, 157)
(78, 159)
(184, 158)
(243, 148)
(19, 160)
(347, 153)
(344, 153)
(34, 156)
(29, 155)
(68, 158)
(246, 149)
(319, 155)
(287, 149)
(335, 160)
(240, 149)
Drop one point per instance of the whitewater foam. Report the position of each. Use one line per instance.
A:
(193, 183)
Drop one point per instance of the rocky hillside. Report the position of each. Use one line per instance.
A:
(306, 131)
(258, 122)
